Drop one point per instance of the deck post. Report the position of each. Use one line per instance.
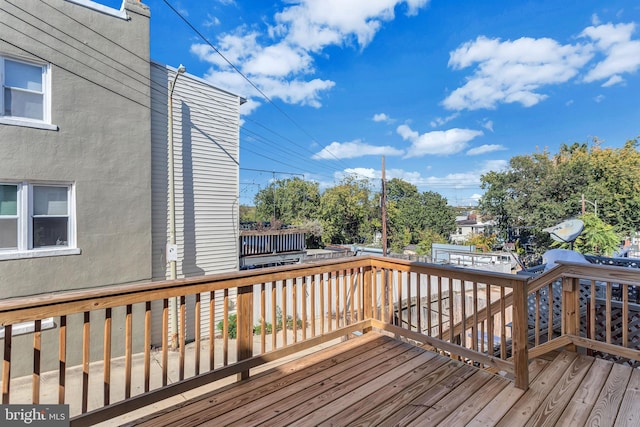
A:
(520, 335)
(244, 341)
(367, 299)
(570, 308)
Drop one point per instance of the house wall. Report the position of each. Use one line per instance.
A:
(100, 98)
(206, 164)
(100, 103)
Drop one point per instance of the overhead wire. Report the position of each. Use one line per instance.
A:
(237, 70)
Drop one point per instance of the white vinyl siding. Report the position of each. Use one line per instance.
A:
(206, 150)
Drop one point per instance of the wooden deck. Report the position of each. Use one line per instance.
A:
(376, 380)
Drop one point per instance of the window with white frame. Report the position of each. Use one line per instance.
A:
(25, 90)
(36, 216)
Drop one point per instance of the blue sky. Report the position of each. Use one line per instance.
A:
(445, 90)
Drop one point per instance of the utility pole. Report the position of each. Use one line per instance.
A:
(383, 206)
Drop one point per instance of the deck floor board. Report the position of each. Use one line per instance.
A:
(376, 380)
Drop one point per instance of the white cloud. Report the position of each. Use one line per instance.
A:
(516, 71)
(353, 149)
(598, 99)
(614, 80)
(280, 59)
(249, 106)
(314, 24)
(512, 71)
(487, 124)
(437, 142)
(382, 117)
(622, 54)
(484, 149)
(440, 121)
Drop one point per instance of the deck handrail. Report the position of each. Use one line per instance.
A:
(278, 310)
(573, 307)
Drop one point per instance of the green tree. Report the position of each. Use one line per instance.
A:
(292, 201)
(411, 214)
(426, 240)
(345, 212)
(539, 190)
(247, 213)
(597, 238)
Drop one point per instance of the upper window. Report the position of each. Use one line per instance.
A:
(25, 90)
(36, 217)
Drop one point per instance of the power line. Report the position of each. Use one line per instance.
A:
(236, 69)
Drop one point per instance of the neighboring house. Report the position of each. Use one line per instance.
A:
(206, 126)
(75, 176)
(75, 144)
(83, 143)
(468, 225)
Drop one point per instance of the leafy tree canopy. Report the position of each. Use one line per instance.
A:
(539, 190)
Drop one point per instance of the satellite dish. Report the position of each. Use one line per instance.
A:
(566, 231)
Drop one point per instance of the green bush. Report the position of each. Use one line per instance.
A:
(232, 324)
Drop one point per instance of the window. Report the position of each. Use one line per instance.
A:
(25, 92)
(36, 219)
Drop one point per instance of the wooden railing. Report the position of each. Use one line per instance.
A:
(474, 316)
(596, 307)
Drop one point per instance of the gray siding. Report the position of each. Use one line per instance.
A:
(206, 150)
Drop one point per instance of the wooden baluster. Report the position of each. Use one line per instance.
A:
(165, 340)
(197, 332)
(182, 327)
(225, 326)
(6, 365)
(463, 310)
(409, 303)
(429, 310)
(388, 281)
(294, 309)
(322, 312)
(274, 320)
(625, 315)
(419, 302)
(86, 345)
(452, 317)
(106, 357)
(263, 325)
(284, 313)
(313, 305)
(128, 351)
(304, 308)
(503, 325)
(490, 320)
(147, 346)
(329, 302)
(474, 329)
(212, 330)
(344, 297)
(62, 358)
(37, 349)
(353, 290)
(336, 283)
